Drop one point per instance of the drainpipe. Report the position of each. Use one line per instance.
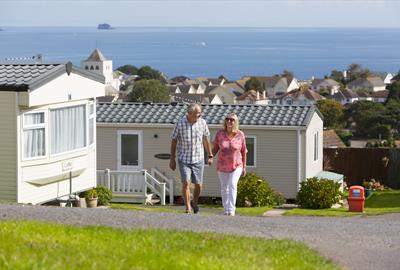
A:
(298, 159)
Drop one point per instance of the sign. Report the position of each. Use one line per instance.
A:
(356, 193)
(67, 165)
(163, 156)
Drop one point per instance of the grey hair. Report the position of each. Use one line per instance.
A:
(192, 107)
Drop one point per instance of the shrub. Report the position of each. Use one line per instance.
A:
(279, 199)
(318, 193)
(254, 189)
(90, 194)
(104, 195)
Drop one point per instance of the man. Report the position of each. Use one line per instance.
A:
(190, 134)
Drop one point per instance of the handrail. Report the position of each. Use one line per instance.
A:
(150, 184)
(170, 183)
(133, 182)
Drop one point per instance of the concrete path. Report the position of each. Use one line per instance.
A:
(360, 242)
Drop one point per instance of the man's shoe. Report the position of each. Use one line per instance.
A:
(196, 210)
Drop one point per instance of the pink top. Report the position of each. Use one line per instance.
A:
(230, 151)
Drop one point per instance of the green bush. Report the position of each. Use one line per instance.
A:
(279, 199)
(255, 190)
(318, 193)
(90, 194)
(104, 195)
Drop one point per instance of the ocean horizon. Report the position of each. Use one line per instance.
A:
(211, 51)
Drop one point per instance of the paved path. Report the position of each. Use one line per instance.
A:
(362, 242)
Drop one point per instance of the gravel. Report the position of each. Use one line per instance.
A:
(362, 242)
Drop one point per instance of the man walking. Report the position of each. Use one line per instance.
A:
(190, 134)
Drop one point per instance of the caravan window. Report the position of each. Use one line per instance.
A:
(68, 129)
(34, 135)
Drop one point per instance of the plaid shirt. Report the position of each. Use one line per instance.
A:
(190, 140)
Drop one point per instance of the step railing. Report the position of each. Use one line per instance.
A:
(132, 183)
(169, 187)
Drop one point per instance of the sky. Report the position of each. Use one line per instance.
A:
(202, 13)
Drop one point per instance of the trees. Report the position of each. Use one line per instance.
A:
(368, 117)
(148, 73)
(355, 71)
(149, 90)
(254, 84)
(128, 69)
(144, 72)
(394, 92)
(337, 75)
(287, 74)
(332, 111)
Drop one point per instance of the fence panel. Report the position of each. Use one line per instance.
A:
(359, 164)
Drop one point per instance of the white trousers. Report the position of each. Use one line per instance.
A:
(229, 183)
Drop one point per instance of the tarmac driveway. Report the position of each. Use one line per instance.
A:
(363, 242)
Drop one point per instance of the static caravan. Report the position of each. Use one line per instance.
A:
(48, 134)
(284, 142)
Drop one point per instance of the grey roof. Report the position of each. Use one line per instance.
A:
(327, 82)
(96, 56)
(255, 115)
(21, 77)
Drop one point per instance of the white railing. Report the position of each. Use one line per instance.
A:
(134, 183)
(169, 187)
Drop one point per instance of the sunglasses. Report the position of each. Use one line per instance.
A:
(230, 119)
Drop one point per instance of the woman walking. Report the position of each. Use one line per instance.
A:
(230, 144)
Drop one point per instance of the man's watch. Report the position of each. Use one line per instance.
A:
(210, 156)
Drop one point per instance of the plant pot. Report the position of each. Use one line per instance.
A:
(91, 202)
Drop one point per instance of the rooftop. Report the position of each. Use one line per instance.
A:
(258, 115)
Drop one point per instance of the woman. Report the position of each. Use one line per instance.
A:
(230, 144)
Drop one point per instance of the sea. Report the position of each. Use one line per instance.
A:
(210, 52)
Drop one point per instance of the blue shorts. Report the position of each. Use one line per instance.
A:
(193, 172)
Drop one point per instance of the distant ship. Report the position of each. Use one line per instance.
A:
(104, 26)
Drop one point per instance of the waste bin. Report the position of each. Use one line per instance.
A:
(356, 199)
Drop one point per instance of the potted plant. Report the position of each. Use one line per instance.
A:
(91, 198)
(370, 186)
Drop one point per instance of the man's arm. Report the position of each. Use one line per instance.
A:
(172, 162)
(207, 145)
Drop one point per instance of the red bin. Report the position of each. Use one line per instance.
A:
(356, 199)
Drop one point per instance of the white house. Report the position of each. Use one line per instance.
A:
(48, 134)
(325, 84)
(345, 96)
(275, 86)
(284, 142)
(371, 84)
(252, 97)
(300, 97)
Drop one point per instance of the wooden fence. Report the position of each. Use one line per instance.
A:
(359, 164)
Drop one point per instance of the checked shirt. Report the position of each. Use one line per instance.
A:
(190, 140)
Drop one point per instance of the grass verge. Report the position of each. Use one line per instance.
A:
(380, 202)
(34, 245)
(204, 209)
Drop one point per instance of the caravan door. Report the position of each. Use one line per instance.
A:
(130, 150)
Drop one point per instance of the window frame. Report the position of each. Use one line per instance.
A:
(255, 151)
(86, 131)
(90, 116)
(316, 146)
(140, 150)
(35, 126)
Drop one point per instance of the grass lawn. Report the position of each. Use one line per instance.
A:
(34, 245)
(380, 202)
(204, 209)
